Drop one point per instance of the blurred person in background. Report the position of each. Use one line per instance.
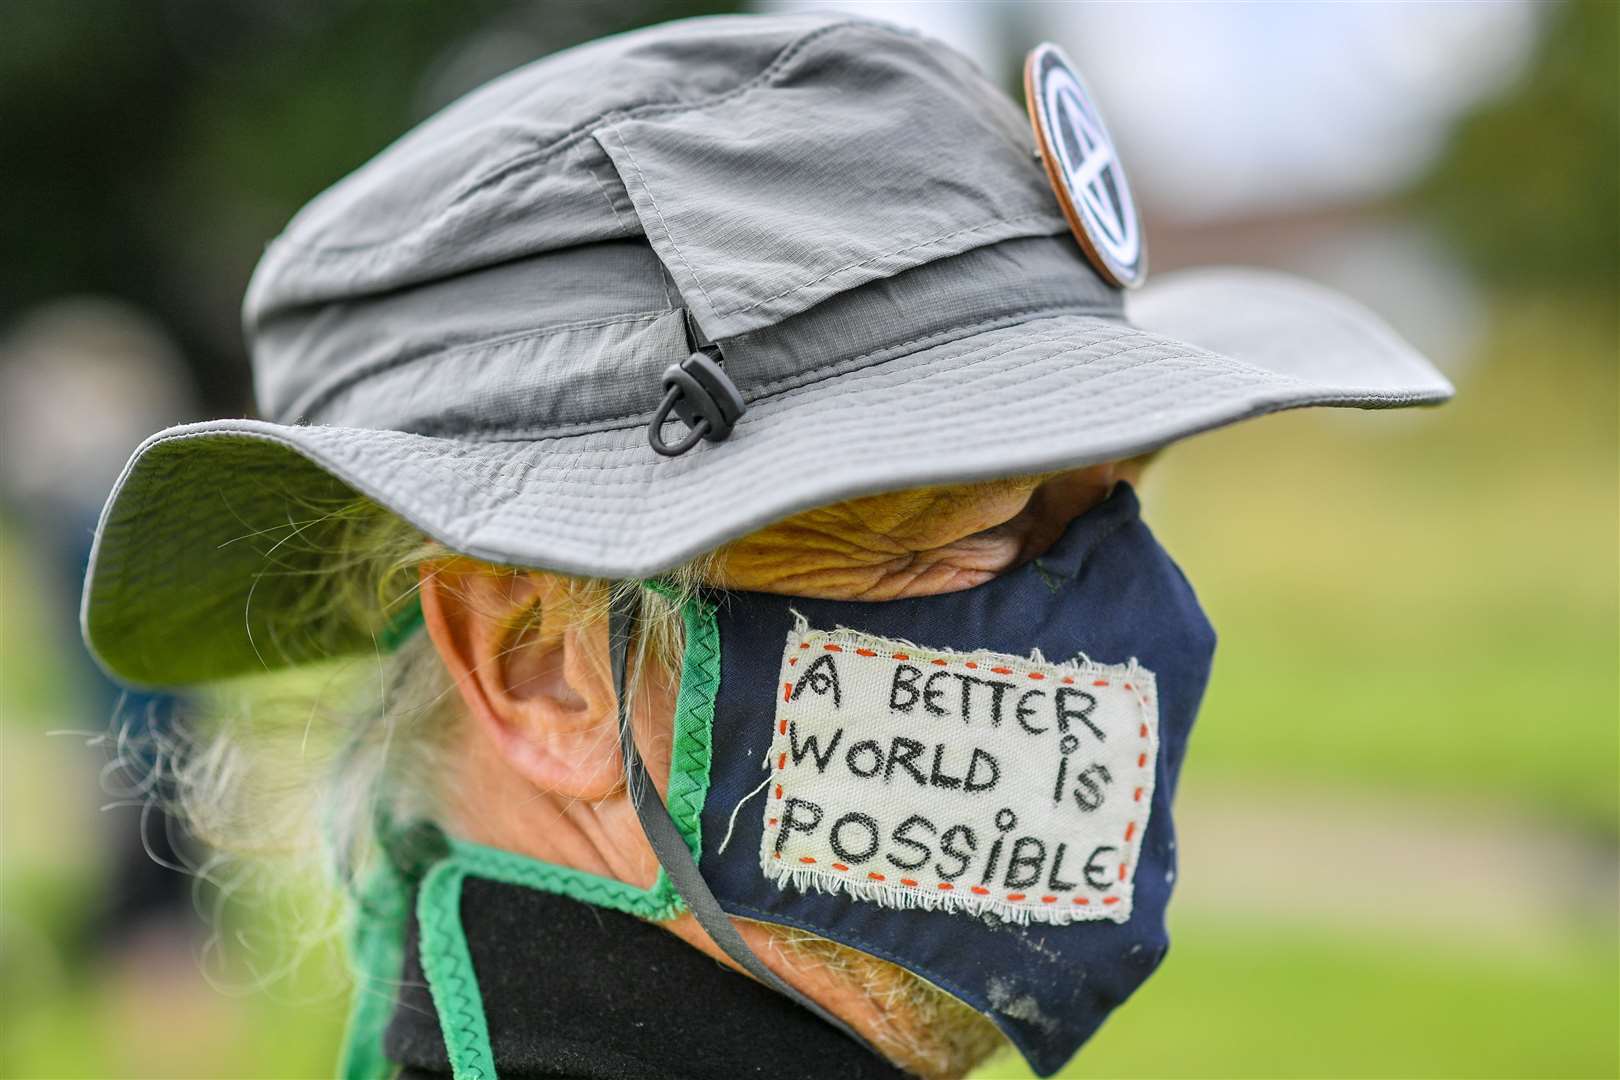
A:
(81, 382)
(715, 446)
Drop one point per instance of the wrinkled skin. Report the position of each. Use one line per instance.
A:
(913, 543)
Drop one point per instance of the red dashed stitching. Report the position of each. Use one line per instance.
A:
(978, 890)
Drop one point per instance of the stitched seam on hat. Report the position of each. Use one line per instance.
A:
(630, 229)
(586, 504)
(1040, 313)
(768, 390)
(963, 363)
(663, 223)
(805, 378)
(569, 542)
(977, 357)
(587, 495)
(849, 388)
(569, 138)
(394, 363)
(855, 265)
(655, 497)
(789, 52)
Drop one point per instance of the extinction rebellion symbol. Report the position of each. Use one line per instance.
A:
(1083, 167)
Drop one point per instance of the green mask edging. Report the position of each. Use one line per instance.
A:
(378, 941)
(448, 965)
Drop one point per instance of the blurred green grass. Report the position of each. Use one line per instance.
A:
(1237, 999)
(1422, 599)
(1408, 602)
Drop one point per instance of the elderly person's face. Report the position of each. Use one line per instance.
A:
(539, 770)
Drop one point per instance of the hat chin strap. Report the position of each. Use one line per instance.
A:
(670, 846)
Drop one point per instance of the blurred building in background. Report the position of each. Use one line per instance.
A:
(1399, 856)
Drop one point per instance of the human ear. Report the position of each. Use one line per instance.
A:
(532, 668)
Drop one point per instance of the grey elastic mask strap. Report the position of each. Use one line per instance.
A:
(670, 846)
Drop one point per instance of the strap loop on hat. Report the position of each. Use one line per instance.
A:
(655, 428)
(700, 393)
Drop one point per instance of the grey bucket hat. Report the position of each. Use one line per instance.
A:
(474, 329)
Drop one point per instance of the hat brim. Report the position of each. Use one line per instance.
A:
(200, 545)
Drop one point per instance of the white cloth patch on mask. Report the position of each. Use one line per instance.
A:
(974, 782)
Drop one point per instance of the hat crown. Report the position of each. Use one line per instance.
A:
(743, 168)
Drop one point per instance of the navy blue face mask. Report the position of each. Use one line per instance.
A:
(975, 786)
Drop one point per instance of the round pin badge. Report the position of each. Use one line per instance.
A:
(1083, 167)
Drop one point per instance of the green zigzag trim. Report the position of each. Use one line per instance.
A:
(694, 723)
(493, 864)
(447, 963)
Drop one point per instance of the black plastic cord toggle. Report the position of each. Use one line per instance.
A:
(703, 397)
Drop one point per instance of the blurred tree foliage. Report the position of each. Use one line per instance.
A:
(151, 149)
(1529, 187)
